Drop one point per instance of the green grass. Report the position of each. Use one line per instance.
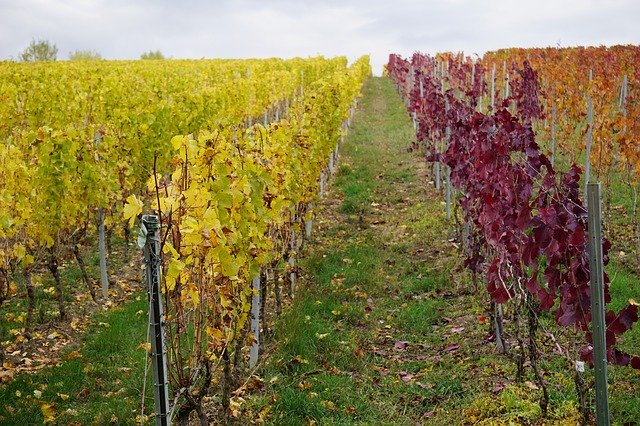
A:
(104, 384)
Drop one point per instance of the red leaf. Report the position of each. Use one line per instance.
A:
(576, 238)
(451, 348)
(401, 345)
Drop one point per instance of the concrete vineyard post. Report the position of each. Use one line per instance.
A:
(493, 87)
(331, 162)
(308, 224)
(506, 79)
(624, 92)
(254, 352)
(102, 249)
(292, 264)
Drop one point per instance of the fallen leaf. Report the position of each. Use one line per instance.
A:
(298, 359)
(63, 396)
(55, 335)
(531, 385)
(406, 377)
(145, 345)
(499, 387)
(49, 412)
(401, 345)
(452, 347)
(304, 385)
(73, 355)
(329, 405)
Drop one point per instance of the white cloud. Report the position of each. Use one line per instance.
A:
(253, 28)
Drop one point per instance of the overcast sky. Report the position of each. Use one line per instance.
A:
(123, 29)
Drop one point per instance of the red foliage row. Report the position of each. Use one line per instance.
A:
(529, 223)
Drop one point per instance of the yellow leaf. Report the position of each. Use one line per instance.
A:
(49, 412)
(73, 355)
(329, 405)
(176, 142)
(132, 209)
(63, 396)
(173, 271)
(168, 248)
(228, 263)
(632, 302)
(215, 333)
(145, 345)
(192, 293)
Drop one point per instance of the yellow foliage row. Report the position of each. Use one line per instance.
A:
(178, 138)
(78, 136)
(232, 195)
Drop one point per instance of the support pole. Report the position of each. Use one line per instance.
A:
(255, 322)
(598, 327)
(102, 249)
(553, 134)
(156, 320)
(587, 162)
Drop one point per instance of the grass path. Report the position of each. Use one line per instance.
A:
(360, 341)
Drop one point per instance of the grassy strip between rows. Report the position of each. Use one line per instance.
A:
(99, 383)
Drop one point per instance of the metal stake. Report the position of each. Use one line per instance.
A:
(158, 345)
(598, 327)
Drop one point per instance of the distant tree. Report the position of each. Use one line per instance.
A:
(84, 55)
(152, 55)
(41, 50)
